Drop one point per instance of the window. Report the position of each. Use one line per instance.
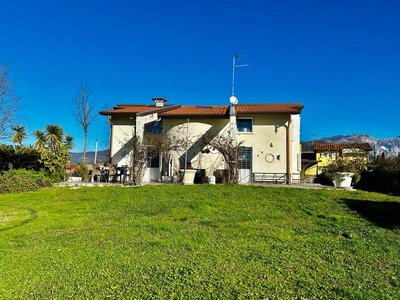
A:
(244, 125)
(153, 162)
(244, 158)
(154, 127)
(328, 154)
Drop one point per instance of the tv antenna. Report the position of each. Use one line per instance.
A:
(234, 65)
(233, 99)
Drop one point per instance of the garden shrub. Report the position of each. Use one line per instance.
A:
(383, 176)
(81, 171)
(19, 157)
(21, 180)
(57, 176)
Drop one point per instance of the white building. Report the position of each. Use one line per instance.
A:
(270, 135)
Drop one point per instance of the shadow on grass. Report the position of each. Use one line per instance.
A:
(382, 214)
(33, 216)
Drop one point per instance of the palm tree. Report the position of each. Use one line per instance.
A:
(54, 136)
(40, 138)
(68, 142)
(19, 134)
(54, 146)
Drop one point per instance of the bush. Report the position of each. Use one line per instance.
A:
(383, 176)
(21, 180)
(81, 171)
(56, 176)
(19, 157)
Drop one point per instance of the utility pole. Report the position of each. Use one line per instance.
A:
(95, 152)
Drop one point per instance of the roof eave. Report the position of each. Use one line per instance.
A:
(158, 110)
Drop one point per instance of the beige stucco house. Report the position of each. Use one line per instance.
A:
(270, 135)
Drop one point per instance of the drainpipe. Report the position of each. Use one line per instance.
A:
(288, 155)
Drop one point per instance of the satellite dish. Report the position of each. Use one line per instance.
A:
(233, 100)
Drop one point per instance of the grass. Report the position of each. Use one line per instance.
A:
(199, 242)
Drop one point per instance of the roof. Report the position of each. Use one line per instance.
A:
(341, 146)
(131, 109)
(292, 108)
(216, 111)
(201, 111)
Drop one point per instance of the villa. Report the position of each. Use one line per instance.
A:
(270, 136)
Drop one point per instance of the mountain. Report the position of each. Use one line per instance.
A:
(390, 147)
(102, 157)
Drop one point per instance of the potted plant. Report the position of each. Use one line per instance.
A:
(343, 171)
(188, 175)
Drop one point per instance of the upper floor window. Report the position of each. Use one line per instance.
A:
(154, 127)
(328, 154)
(244, 125)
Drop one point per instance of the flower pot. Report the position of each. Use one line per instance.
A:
(188, 176)
(343, 179)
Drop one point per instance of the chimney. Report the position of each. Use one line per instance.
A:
(160, 101)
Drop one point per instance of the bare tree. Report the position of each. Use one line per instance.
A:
(9, 103)
(83, 107)
(230, 149)
(141, 150)
(151, 145)
(138, 158)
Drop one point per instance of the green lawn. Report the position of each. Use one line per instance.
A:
(199, 242)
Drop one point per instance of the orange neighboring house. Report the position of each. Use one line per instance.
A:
(324, 153)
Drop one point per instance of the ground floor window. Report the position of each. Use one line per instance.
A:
(153, 162)
(245, 158)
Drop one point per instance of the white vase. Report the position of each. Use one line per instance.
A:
(343, 179)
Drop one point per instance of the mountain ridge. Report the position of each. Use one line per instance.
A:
(102, 157)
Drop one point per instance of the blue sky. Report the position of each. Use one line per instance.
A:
(339, 58)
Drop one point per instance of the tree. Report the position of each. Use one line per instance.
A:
(54, 146)
(68, 142)
(83, 108)
(9, 103)
(138, 159)
(230, 149)
(19, 134)
(151, 145)
(54, 136)
(40, 137)
(140, 150)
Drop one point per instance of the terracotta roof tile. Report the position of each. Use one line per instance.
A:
(292, 108)
(122, 109)
(341, 146)
(197, 111)
(127, 109)
(213, 110)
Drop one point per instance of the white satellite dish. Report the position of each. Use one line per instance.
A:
(233, 100)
